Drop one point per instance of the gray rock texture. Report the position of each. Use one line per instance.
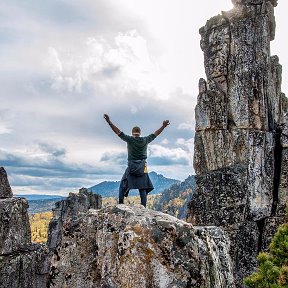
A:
(125, 246)
(5, 189)
(68, 210)
(241, 139)
(15, 232)
(27, 268)
(22, 263)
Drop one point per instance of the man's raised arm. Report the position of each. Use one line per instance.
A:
(164, 125)
(113, 127)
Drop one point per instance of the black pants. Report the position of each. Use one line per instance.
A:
(143, 196)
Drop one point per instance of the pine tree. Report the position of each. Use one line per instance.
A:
(273, 266)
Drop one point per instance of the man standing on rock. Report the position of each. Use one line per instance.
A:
(136, 175)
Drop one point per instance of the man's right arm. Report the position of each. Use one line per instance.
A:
(115, 129)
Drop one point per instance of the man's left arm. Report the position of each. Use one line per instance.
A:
(164, 125)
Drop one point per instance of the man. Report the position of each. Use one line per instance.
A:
(136, 175)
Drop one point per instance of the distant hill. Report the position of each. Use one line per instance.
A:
(40, 203)
(175, 199)
(38, 196)
(44, 203)
(111, 188)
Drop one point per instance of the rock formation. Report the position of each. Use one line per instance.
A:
(68, 210)
(241, 151)
(124, 247)
(5, 189)
(241, 162)
(22, 263)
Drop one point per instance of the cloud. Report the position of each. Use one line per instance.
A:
(5, 121)
(58, 89)
(186, 126)
(66, 63)
(114, 158)
(164, 141)
(97, 62)
(52, 149)
(52, 173)
(4, 129)
(159, 155)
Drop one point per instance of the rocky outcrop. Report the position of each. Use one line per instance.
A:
(125, 246)
(22, 263)
(68, 210)
(5, 189)
(241, 142)
(15, 232)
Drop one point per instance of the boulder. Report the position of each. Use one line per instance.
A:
(125, 246)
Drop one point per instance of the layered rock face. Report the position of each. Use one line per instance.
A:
(241, 141)
(125, 246)
(22, 264)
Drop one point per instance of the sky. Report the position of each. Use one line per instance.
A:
(64, 63)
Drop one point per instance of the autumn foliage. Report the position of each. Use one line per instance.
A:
(39, 223)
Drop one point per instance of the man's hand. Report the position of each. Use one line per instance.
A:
(113, 127)
(107, 118)
(166, 123)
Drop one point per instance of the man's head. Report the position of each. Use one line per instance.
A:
(136, 131)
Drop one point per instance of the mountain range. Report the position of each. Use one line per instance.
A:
(31, 197)
(111, 188)
(40, 202)
(43, 203)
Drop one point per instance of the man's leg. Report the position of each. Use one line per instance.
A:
(143, 196)
(121, 196)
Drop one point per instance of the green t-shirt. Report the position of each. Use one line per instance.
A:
(137, 146)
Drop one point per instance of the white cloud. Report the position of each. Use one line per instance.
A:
(159, 155)
(125, 65)
(188, 145)
(4, 129)
(164, 141)
(186, 126)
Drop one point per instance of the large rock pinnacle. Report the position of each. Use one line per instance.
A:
(241, 154)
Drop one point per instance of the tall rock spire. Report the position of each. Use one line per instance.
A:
(5, 189)
(240, 155)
